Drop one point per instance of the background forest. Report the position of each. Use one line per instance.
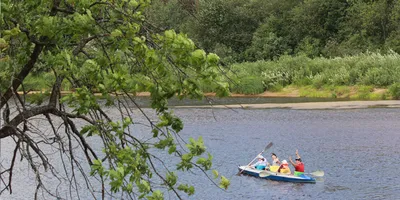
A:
(265, 30)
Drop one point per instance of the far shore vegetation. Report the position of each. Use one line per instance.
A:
(317, 48)
(367, 76)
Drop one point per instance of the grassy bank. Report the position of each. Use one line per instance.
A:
(363, 77)
(355, 77)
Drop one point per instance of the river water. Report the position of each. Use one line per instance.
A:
(356, 148)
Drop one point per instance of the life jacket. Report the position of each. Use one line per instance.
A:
(273, 168)
(284, 169)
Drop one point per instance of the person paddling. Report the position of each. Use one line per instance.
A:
(261, 163)
(298, 166)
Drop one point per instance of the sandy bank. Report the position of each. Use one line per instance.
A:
(309, 105)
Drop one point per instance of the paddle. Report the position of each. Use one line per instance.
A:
(318, 173)
(263, 174)
(269, 145)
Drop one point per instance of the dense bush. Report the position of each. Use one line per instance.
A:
(248, 85)
(394, 90)
(365, 69)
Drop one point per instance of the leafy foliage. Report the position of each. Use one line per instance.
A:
(105, 52)
(394, 90)
(257, 30)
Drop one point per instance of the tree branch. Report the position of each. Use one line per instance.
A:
(10, 170)
(10, 129)
(22, 75)
(84, 41)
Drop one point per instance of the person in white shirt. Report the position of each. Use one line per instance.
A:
(261, 163)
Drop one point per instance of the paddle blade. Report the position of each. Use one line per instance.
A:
(318, 173)
(268, 146)
(263, 174)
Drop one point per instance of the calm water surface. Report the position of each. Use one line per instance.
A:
(357, 149)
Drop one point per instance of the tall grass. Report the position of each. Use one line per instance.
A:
(372, 69)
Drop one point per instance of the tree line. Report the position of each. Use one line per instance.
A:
(265, 30)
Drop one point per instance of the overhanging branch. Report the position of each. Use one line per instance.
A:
(10, 128)
(21, 76)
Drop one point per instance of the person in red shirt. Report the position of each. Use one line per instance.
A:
(298, 166)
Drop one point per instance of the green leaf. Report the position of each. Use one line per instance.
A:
(155, 132)
(196, 147)
(116, 33)
(3, 44)
(133, 3)
(224, 183)
(185, 163)
(97, 167)
(172, 149)
(177, 124)
(213, 58)
(157, 195)
(171, 179)
(164, 143)
(127, 122)
(144, 187)
(188, 189)
(216, 174)
(199, 56)
(129, 188)
(114, 174)
(89, 13)
(170, 34)
(15, 31)
(205, 162)
(85, 129)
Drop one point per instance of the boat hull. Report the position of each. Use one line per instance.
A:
(276, 176)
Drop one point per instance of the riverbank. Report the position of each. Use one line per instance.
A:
(309, 105)
(287, 92)
(343, 102)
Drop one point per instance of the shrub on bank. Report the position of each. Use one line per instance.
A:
(248, 85)
(364, 92)
(394, 90)
(372, 69)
